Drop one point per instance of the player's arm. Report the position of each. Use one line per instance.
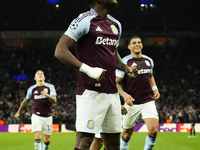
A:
(22, 106)
(63, 54)
(132, 70)
(156, 95)
(127, 98)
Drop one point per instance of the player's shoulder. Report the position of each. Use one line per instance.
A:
(32, 87)
(113, 19)
(48, 84)
(127, 57)
(85, 16)
(147, 57)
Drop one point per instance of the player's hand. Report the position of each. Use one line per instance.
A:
(43, 93)
(17, 115)
(132, 71)
(102, 75)
(156, 95)
(128, 99)
(123, 109)
(93, 72)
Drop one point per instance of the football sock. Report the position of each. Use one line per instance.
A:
(124, 144)
(37, 144)
(150, 142)
(194, 131)
(191, 132)
(46, 145)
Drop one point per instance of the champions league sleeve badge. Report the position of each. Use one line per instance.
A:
(114, 29)
(73, 26)
(90, 124)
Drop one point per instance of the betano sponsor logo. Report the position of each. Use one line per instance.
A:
(106, 41)
(143, 71)
(39, 96)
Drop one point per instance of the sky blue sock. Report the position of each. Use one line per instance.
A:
(37, 144)
(150, 142)
(124, 145)
(45, 146)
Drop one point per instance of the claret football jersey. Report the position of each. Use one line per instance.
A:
(139, 87)
(96, 42)
(42, 105)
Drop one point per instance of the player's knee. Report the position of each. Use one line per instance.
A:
(127, 134)
(46, 139)
(153, 131)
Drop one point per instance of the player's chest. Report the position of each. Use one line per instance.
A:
(38, 90)
(105, 30)
(143, 65)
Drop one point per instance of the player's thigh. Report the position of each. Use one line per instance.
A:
(149, 110)
(150, 116)
(111, 140)
(47, 125)
(83, 140)
(132, 116)
(38, 135)
(112, 122)
(152, 124)
(91, 110)
(36, 123)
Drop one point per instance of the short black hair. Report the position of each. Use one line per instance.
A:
(89, 2)
(132, 37)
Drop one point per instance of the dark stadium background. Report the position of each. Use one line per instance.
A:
(30, 30)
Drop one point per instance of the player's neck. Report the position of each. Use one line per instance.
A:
(137, 55)
(102, 12)
(40, 83)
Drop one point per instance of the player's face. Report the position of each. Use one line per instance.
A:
(39, 76)
(109, 3)
(135, 46)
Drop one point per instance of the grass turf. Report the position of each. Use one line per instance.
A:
(66, 141)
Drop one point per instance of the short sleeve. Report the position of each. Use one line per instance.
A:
(29, 93)
(52, 90)
(79, 27)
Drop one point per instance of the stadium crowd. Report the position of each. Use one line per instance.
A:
(176, 73)
(39, 15)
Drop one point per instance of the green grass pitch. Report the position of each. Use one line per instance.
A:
(66, 141)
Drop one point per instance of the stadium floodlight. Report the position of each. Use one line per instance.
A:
(146, 4)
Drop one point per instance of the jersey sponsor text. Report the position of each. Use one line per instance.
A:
(143, 71)
(39, 96)
(105, 41)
